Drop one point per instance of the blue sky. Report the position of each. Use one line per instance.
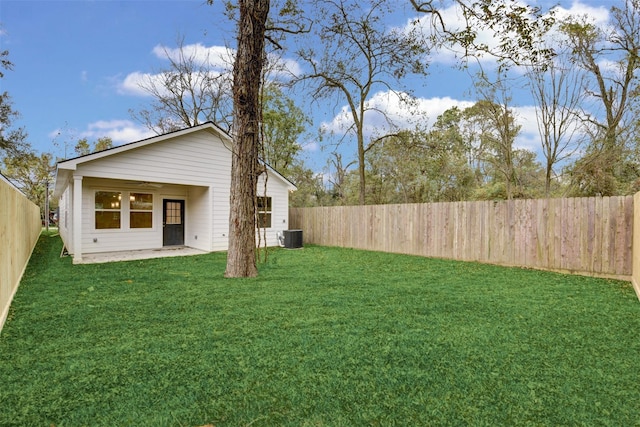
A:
(76, 64)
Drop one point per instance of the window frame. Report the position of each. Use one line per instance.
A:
(133, 210)
(106, 210)
(264, 210)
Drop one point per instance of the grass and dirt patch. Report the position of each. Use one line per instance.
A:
(323, 337)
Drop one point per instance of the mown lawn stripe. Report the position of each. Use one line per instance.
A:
(324, 336)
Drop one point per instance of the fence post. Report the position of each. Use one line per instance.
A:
(635, 257)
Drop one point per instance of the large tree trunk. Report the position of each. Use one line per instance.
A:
(247, 71)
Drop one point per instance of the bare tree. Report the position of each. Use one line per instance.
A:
(557, 90)
(610, 57)
(254, 28)
(338, 178)
(358, 55)
(193, 89)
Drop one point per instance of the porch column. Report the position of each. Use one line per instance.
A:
(77, 219)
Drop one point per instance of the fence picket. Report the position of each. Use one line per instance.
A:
(588, 235)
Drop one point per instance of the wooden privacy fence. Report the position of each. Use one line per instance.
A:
(20, 227)
(583, 235)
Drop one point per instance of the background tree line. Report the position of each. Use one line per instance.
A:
(586, 96)
(583, 79)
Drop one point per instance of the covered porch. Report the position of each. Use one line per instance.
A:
(117, 220)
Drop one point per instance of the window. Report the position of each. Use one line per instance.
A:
(264, 212)
(140, 210)
(173, 213)
(107, 209)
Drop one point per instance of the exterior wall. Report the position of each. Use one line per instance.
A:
(194, 167)
(198, 158)
(125, 238)
(198, 211)
(280, 208)
(65, 212)
(220, 218)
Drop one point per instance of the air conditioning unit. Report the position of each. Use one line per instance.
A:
(292, 239)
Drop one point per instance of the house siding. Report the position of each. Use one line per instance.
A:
(280, 208)
(198, 213)
(125, 238)
(197, 159)
(194, 167)
(194, 159)
(65, 219)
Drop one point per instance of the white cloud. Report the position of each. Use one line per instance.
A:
(131, 85)
(284, 68)
(529, 137)
(213, 57)
(434, 107)
(403, 115)
(214, 60)
(598, 15)
(136, 83)
(120, 131)
(219, 59)
(311, 146)
(211, 60)
(427, 110)
(454, 20)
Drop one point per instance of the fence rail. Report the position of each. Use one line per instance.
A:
(19, 230)
(583, 235)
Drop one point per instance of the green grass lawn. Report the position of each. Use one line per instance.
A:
(323, 337)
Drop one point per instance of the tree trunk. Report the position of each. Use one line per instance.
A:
(547, 179)
(361, 172)
(247, 72)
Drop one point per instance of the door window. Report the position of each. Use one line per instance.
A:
(173, 213)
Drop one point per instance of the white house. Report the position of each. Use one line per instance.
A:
(168, 190)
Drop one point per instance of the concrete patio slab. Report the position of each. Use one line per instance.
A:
(103, 257)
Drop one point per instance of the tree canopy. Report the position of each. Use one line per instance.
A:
(12, 140)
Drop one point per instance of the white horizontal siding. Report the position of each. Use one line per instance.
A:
(279, 210)
(197, 219)
(64, 219)
(194, 167)
(220, 218)
(194, 159)
(124, 238)
(196, 222)
(199, 158)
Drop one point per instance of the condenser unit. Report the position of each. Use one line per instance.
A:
(292, 239)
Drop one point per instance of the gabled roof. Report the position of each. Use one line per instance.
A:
(72, 163)
(66, 167)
